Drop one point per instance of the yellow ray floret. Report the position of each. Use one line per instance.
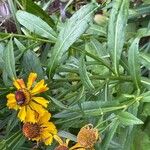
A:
(25, 100)
(41, 131)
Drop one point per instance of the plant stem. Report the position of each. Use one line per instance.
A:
(8, 35)
(97, 77)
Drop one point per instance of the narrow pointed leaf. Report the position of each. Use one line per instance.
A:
(128, 119)
(31, 63)
(35, 25)
(145, 59)
(9, 60)
(133, 62)
(84, 74)
(33, 8)
(116, 30)
(72, 30)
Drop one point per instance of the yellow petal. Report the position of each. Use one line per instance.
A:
(38, 138)
(49, 127)
(41, 101)
(45, 118)
(22, 113)
(30, 115)
(31, 79)
(77, 146)
(37, 107)
(11, 101)
(19, 84)
(58, 139)
(47, 138)
(39, 88)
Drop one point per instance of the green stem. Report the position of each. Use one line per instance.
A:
(96, 77)
(96, 58)
(8, 35)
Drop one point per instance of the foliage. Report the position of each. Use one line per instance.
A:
(97, 70)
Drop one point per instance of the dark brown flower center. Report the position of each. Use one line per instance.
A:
(31, 130)
(22, 97)
(61, 147)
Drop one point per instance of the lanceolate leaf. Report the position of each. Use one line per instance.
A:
(9, 60)
(72, 30)
(31, 63)
(145, 59)
(84, 74)
(128, 119)
(110, 135)
(33, 8)
(116, 31)
(35, 25)
(133, 63)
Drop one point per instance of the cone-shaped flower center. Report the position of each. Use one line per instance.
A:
(31, 130)
(87, 136)
(61, 147)
(22, 97)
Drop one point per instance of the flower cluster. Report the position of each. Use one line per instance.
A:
(32, 109)
(35, 117)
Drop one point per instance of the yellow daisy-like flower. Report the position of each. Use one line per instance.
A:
(41, 131)
(25, 101)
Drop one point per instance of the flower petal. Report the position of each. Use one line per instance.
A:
(30, 115)
(41, 101)
(19, 84)
(39, 88)
(58, 139)
(49, 127)
(22, 113)
(32, 77)
(37, 107)
(38, 138)
(47, 138)
(11, 101)
(45, 118)
(77, 146)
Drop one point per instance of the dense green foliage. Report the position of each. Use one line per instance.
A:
(97, 69)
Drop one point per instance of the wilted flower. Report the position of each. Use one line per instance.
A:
(41, 131)
(87, 136)
(25, 101)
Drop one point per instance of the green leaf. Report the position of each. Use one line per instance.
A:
(146, 99)
(84, 74)
(33, 8)
(110, 135)
(58, 103)
(138, 12)
(146, 82)
(128, 119)
(9, 60)
(116, 31)
(31, 63)
(71, 31)
(133, 63)
(145, 59)
(146, 110)
(35, 25)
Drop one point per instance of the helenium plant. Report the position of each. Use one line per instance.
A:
(88, 63)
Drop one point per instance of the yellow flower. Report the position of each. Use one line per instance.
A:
(64, 145)
(25, 101)
(41, 131)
